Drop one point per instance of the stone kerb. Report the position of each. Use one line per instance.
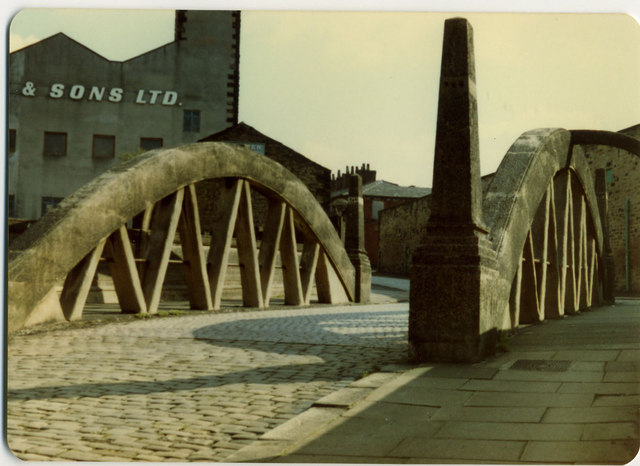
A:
(43, 256)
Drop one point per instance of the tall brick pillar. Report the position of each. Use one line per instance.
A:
(453, 275)
(609, 268)
(354, 239)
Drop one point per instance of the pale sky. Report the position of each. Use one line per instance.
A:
(346, 88)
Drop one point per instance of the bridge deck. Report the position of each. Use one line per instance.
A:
(567, 391)
(207, 386)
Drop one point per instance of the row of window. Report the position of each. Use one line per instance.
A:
(55, 143)
(103, 146)
(47, 203)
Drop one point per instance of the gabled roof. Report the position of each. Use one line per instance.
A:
(64, 37)
(381, 188)
(61, 36)
(242, 132)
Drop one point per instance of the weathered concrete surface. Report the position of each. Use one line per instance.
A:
(453, 272)
(567, 391)
(43, 256)
(457, 150)
(470, 275)
(354, 240)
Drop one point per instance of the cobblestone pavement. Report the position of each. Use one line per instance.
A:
(189, 388)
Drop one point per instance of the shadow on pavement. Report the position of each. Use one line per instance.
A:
(350, 344)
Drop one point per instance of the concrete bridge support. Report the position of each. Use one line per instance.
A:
(532, 248)
(453, 271)
(354, 241)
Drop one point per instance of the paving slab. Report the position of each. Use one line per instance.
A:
(561, 406)
(610, 431)
(510, 431)
(455, 449)
(519, 386)
(519, 399)
(608, 451)
(591, 414)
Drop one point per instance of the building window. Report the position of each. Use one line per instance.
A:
(12, 140)
(104, 147)
(11, 206)
(258, 147)
(376, 207)
(150, 143)
(191, 121)
(55, 144)
(49, 203)
(608, 176)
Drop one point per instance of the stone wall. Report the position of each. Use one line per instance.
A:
(623, 183)
(401, 227)
(401, 230)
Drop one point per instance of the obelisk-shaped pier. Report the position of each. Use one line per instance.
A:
(454, 270)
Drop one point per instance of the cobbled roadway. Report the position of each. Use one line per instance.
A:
(191, 388)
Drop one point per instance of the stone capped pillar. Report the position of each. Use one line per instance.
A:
(454, 272)
(607, 253)
(354, 239)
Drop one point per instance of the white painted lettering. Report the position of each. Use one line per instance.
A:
(77, 92)
(96, 93)
(140, 97)
(154, 96)
(101, 93)
(170, 98)
(115, 94)
(56, 91)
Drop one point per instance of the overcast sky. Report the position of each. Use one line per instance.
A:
(346, 88)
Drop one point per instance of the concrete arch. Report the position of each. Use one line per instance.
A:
(45, 254)
(606, 138)
(514, 200)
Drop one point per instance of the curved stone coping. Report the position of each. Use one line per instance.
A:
(52, 246)
(606, 138)
(519, 185)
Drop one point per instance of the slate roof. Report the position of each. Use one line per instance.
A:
(381, 188)
(245, 133)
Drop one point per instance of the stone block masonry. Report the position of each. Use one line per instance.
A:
(622, 170)
(454, 269)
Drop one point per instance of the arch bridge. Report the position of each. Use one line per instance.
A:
(159, 187)
(535, 246)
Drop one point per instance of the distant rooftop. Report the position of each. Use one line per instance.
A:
(381, 188)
